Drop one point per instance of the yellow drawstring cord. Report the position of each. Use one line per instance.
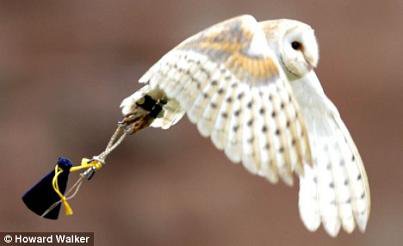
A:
(85, 164)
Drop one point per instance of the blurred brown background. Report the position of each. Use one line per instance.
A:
(66, 65)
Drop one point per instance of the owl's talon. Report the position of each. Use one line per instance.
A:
(129, 129)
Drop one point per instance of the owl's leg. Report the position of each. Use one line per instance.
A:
(146, 109)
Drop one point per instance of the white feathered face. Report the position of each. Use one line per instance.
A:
(295, 44)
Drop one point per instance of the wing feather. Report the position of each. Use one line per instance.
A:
(260, 153)
(248, 151)
(219, 135)
(231, 85)
(233, 149)
(210, 114)
(269, 133)
(334, 190)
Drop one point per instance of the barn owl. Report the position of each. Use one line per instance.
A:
(251, 87)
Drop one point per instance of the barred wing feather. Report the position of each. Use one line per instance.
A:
(231, 86)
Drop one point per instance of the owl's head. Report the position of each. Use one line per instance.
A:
(295, 44)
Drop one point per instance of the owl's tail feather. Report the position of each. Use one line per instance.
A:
(154, 106)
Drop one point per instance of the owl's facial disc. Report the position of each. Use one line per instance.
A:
(299, 50)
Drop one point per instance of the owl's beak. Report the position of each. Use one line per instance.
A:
(311, 51)
(312, 60)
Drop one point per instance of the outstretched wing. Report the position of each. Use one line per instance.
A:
(231, 85)
(335, 189)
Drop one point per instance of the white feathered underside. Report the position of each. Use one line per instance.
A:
(335, 190)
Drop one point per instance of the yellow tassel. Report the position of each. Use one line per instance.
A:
(85, 163)
(67, 208)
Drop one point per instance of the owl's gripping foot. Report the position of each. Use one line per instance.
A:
(146, 109)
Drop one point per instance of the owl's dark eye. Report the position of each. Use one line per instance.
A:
(296, 45)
